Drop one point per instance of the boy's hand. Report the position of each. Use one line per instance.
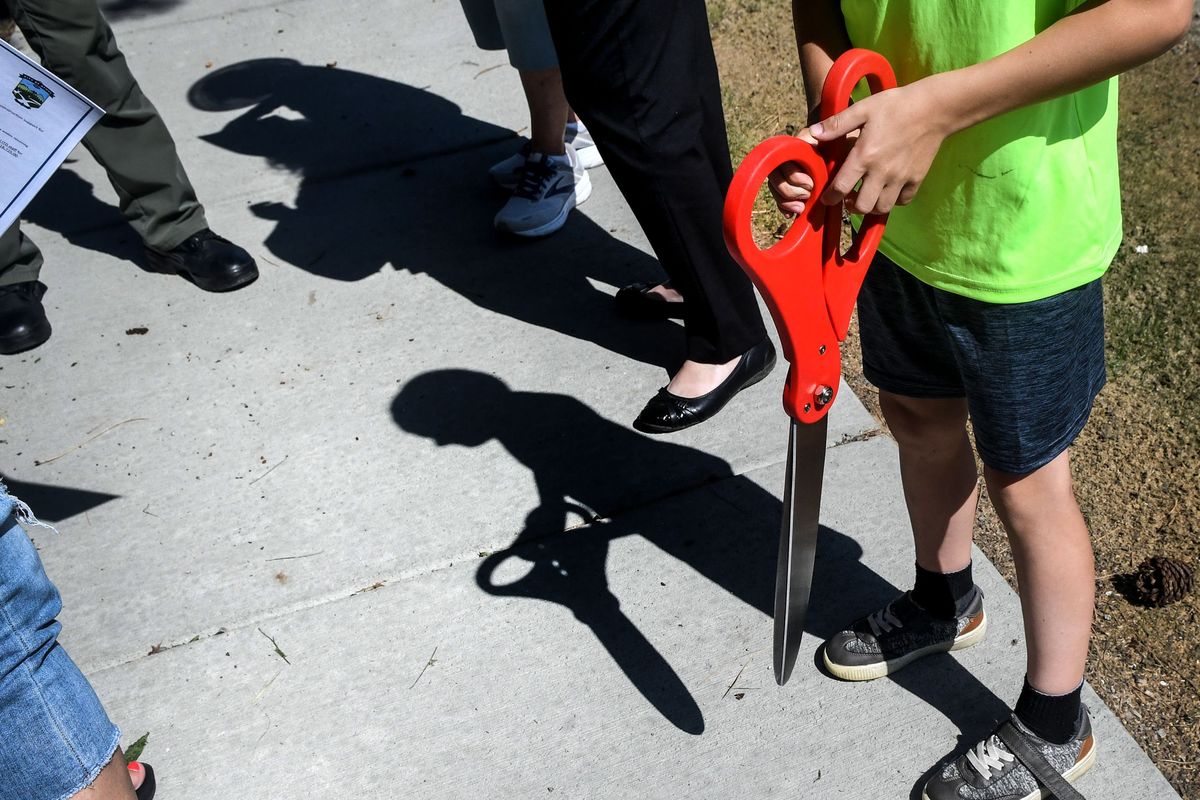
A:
(899, 133)
(790, 187)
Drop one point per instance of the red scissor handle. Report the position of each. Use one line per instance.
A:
(808, 285)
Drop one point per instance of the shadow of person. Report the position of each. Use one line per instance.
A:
(622, 483)
(68, 205)
(396, 176)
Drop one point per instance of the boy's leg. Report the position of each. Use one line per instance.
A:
(944, 610)
(908, 356)
(1055, 572)
(1049, 739)
(937, 470)
(1032, 371)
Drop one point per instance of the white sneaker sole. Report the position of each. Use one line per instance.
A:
(583, 190)
(1071, 775)
(869, 672)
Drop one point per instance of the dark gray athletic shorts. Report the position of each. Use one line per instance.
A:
(1029, 371)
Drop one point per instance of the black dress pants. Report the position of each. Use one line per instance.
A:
(642, 76)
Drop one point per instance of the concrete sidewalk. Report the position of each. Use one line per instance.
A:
(327, 503)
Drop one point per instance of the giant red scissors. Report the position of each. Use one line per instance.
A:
(810, 287)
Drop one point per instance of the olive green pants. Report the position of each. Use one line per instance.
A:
(131, 142)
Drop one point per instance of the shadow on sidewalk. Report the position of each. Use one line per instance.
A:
(68, 205)
(136, 9)
(593, 469)
(55, 503)
(393, 176)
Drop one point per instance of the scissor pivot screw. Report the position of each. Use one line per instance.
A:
(807, 407)
(823, 395)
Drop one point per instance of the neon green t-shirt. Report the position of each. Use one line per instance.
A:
(1017, 208)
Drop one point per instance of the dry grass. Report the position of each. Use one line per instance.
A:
(1137, 465)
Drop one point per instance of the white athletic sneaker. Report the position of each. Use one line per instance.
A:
(585, 146)
(507, 173)
(550, 187)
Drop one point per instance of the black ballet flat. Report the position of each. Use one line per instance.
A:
(636, 301)
(667, 413)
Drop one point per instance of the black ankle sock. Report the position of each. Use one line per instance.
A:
(940, 593)
(1050, 716)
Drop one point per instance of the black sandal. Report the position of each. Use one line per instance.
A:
(148, 787)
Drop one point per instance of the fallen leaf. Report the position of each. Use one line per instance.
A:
(134, 751)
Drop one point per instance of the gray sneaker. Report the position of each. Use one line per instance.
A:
(1015, 764)
(900, 633)
(550, 187)
(507, 173)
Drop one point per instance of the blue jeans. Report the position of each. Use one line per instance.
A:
(56, 737)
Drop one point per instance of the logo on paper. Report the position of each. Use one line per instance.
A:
(31, 93)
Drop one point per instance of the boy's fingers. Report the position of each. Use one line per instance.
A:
(843, 183)
(785, 191)
(866, 199)
(907, 194)
(887, 199)
(840, 124)
(805, 135)
(790, 204)
(791, 172)
(796, 177)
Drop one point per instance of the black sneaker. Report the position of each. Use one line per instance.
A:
(900, 633)
(212, 262)
(1015, 764)
(23, 323)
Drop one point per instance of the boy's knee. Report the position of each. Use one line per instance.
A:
(926, 423)
(1022, 501)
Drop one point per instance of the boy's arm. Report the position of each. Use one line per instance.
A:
(901, 130)
(820, 39)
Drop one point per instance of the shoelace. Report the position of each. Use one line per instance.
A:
(988, 755)
(534, 178)
(883, 620)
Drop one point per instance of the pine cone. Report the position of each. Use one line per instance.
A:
(1161, 580)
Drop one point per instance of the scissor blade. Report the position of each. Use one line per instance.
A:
(798, 540)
